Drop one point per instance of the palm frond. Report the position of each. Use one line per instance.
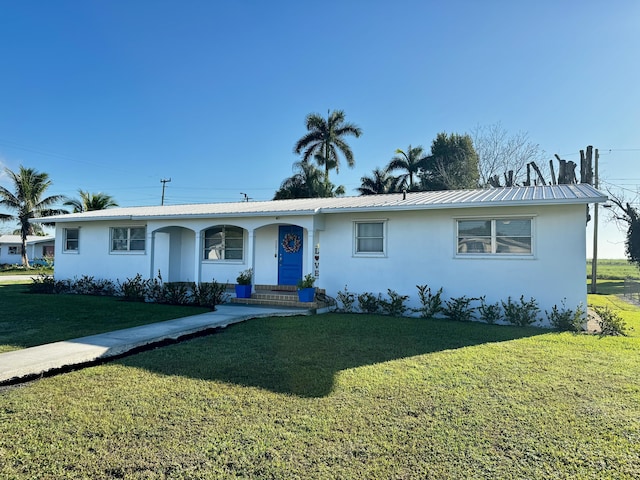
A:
(324, 140)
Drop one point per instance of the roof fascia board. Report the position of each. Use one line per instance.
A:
(451, 206)
(138, 218)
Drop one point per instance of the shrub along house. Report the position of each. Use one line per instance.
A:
(495, 242)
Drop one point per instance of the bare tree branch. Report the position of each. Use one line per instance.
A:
(500, 151)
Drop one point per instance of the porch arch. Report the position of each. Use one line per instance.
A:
(173, 250)
(267, 251)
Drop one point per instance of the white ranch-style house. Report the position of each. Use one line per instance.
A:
(495, 242)
(38, 248)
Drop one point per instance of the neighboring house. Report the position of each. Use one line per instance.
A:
(37, 248)
(494, 242)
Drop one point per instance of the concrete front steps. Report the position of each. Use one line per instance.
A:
(281, 296)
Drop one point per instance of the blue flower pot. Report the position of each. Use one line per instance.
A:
(306, 294)
(243, 291)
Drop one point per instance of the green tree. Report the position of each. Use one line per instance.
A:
(326, 139)
(91, 201)
(307, 182)
(452, 165)
(412, 162)
(27, 201)
(379, 182)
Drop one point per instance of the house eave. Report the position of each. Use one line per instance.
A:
(194, 216)
(417, 201)
(464, 205)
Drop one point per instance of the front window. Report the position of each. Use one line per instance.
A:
(71, 239)
(128, 239)
(508, 236)
(13, 250)
(224, 242)
(369, 237)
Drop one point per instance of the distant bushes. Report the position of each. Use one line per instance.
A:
(614, 270)
(137, 289)
(44, 264)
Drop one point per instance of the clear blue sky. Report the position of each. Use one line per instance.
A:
(113, 96)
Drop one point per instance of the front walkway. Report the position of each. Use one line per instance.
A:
(32, 362)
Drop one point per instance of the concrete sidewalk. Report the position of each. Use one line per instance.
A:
(17, 278)
(35, 361)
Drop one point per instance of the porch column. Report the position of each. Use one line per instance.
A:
(318, 228)
(197, 270)
(251, 254)
(152, 254)
(310, 251)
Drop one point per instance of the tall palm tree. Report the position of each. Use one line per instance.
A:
(379, 182)
(325, 139)
(411, 161)
(91, 201)
(30, 186)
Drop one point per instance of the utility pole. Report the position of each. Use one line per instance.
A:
(594, 260)
(164, 181)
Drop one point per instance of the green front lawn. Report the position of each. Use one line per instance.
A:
(33, 319)
(340, 396)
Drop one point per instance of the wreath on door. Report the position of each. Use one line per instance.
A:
(291, 243)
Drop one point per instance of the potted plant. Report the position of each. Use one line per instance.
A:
(243, 287)
(306, 290)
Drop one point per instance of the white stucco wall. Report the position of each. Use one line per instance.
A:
(266, 255)
(6, 257)
(94, 257)
(420, 249)
(176, 249)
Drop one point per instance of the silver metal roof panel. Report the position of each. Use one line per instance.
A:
(509, 196)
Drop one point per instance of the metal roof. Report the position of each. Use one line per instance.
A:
(508, 196)
(30, 238)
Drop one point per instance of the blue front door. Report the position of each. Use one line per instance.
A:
(289, 255)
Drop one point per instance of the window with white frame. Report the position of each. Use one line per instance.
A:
(224, 242)
(13, 251)
(494, 236)
(369, 237)
(71, 239)
(128, 239)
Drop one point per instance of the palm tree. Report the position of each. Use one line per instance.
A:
(379, 182)
(29, 185)
(308, 182)
(91, 201)
(325, 139)
(411, 161)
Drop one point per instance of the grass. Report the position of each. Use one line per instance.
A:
(340, 396)
(33, 319)
(333, 396)
(617, 269)
(18, 270)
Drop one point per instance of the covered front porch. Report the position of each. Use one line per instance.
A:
(278, 254)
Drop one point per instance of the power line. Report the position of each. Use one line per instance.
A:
(164, 182)
(39, 151)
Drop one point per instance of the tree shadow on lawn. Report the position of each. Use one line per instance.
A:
(608, 287)
(301, 355)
